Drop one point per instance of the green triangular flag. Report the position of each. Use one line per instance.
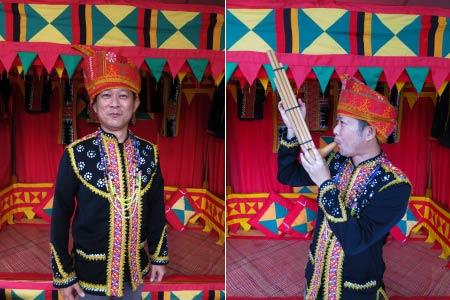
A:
(27, 59)
(271, 74)
(70, 63)
(229, 70)
(198, 66)
(323, 74)
(156, 65)
(371, 75)
(417, 75)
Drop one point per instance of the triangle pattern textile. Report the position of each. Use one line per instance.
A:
(178, 29)
(27, 59)
(395, 33)
(105, 29)
(417, 76)
(445, 40)
(253, 29)
(2, 21)
(324, 33)
(48, 23)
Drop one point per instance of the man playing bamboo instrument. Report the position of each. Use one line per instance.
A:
(361, 196)
(110, 190)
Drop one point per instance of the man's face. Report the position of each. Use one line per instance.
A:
(348, 136)
(115, 108)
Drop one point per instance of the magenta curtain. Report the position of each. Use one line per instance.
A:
(252, 165)
(183, 158)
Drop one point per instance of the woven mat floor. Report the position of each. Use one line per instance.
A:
(262, 268)
(25, 249)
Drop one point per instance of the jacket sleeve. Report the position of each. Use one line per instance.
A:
(290, 170)
(63, 209)
(157, 233)
(356, 234)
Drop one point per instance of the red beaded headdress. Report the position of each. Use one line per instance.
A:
(359, 101)
(107, 70)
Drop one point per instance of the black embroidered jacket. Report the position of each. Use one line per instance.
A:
(357, 209)
(117, 205)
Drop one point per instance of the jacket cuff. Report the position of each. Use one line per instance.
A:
(288, 143)
(331, 203)
(62, 277)
(161, 254)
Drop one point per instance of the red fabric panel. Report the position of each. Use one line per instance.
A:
(5, 153)
(412, 153)
(37, 151)
(441, 175)
(252, 165)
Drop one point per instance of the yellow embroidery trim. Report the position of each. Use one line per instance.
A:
(92, 287)
(289, 144)
(329, 217)
(155, 256)
(91, 257)
(382, 293)
(359, 287)
(58, 262)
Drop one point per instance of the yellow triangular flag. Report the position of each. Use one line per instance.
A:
(60, 71)
(400, 86)
(442, 88)
(219, 78)
(264, 82)
(181, 76)
(19, 69)
(189, 93)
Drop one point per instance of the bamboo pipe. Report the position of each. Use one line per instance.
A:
(292, 108)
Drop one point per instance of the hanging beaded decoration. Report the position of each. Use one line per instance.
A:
(110, 164)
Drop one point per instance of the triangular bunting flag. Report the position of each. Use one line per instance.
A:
(400, 85)
(219, 79)
(70, 63)
(392, 73)
(198, 67)
(60, 71)
(349, 70)
(271, 74)
(181, 76)
(156, 65)
(7, 59)
(323, 74)
(371, 75)
(27, 59)
(230, 68)
(439, 76)
(217, 70)
(300, 73)
(417, 75)
(175, 65)
(264, 82)
(442, 88)
(48, 60)
(250, 70)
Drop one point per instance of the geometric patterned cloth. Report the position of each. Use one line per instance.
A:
(323, 31)
(111, 25)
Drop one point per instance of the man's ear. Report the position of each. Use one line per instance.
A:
(136, 103)
(371, 132)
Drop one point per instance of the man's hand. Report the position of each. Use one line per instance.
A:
(73, 292)
(157, 273)
(316, 166)
(282, 110)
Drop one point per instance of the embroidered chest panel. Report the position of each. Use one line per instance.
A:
(358, 184)
(87, 162)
